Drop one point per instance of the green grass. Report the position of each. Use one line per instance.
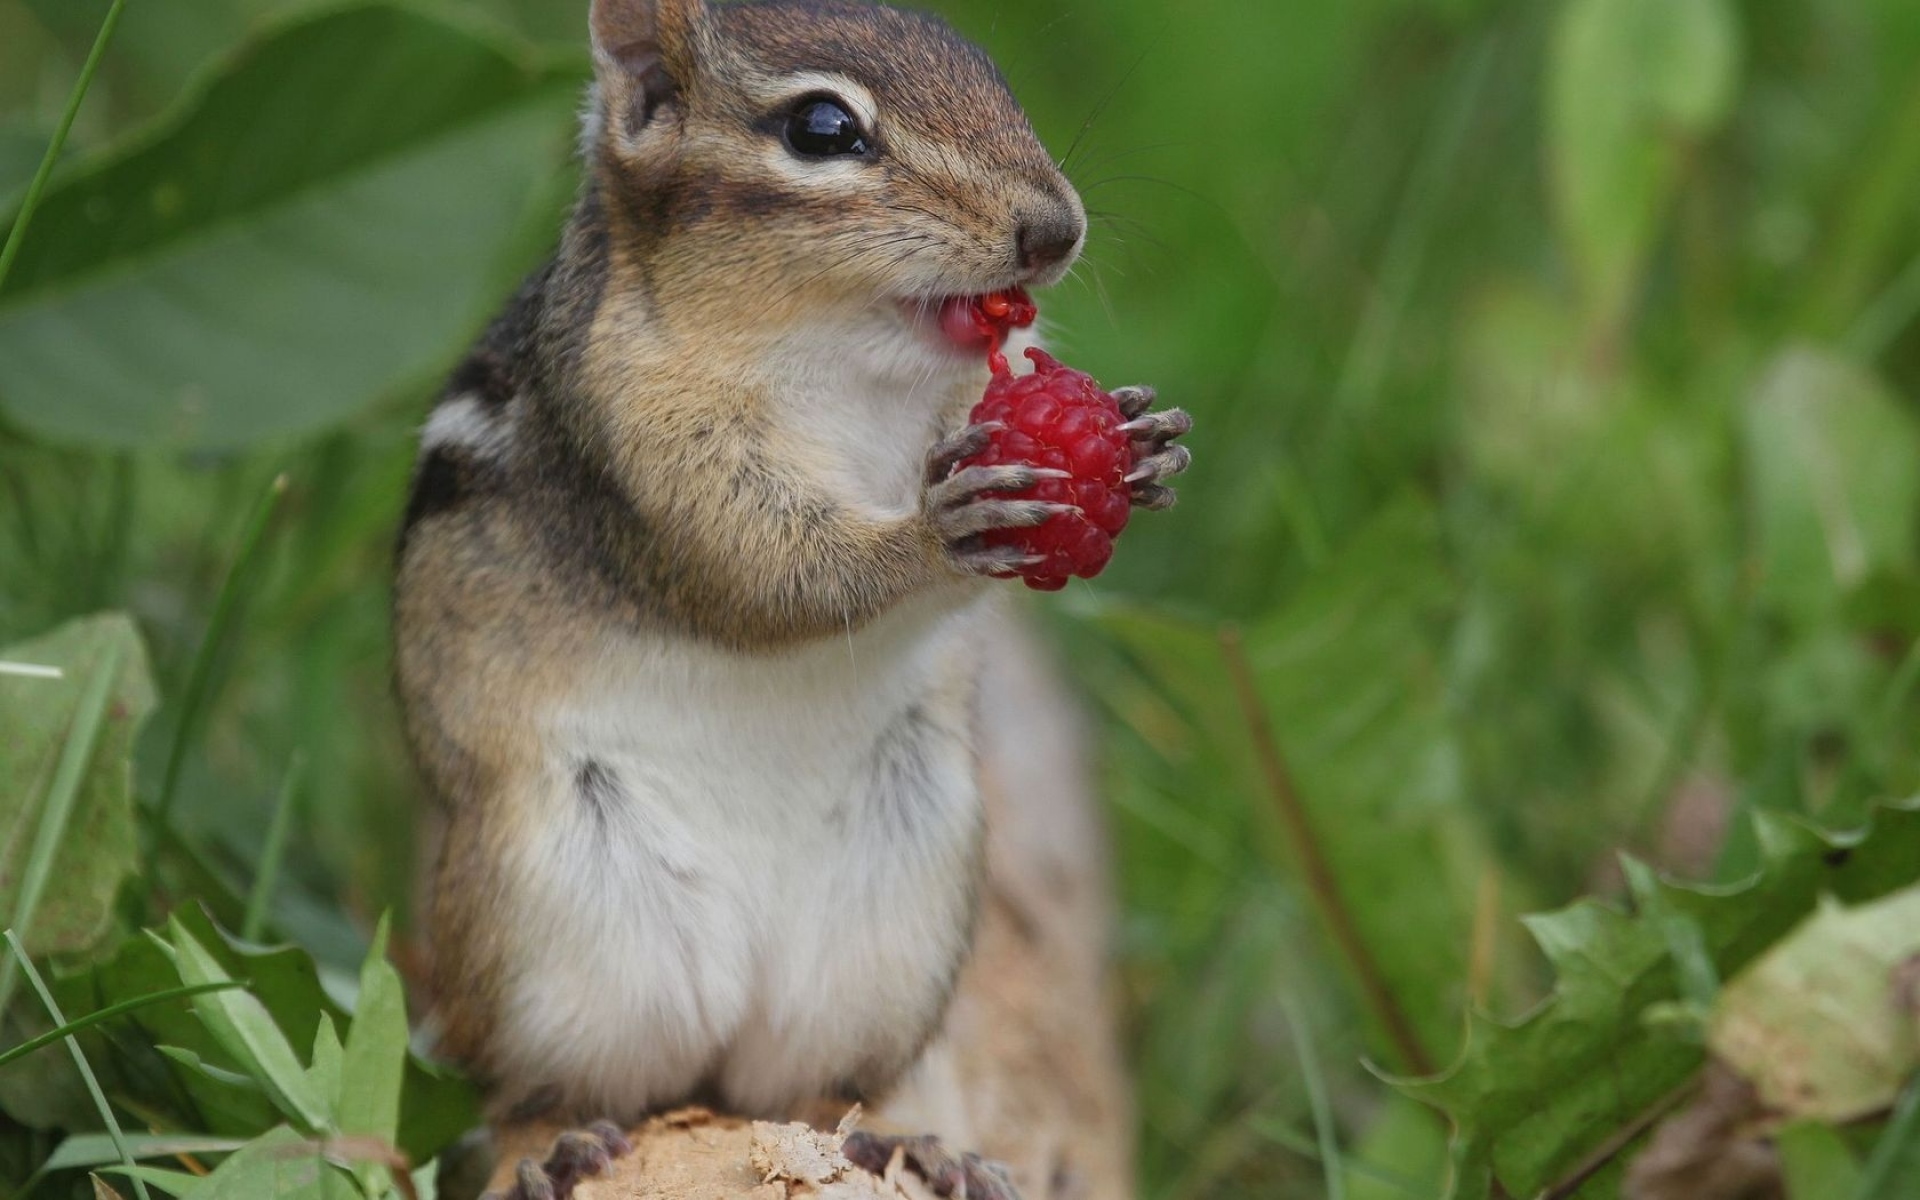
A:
(1557, 457)
(17, 233)
(104, 1109)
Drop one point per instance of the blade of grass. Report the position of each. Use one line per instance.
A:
(1890, 314)
(200, 674)
(26, 513)
(32, 199)
(57, 810)
(108, 570)
(1893, 1169)
(1413, 225)
(1871, 222)
(1309, 1149)
(109, 1013)
(274, 851)
(1331, 1162)
(96, 1150)
(79, 1060)
(1322, 887)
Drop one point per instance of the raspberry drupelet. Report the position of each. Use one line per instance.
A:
(1059, 418)
(1101, 453)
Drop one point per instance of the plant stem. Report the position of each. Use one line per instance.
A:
(32, 199)
(1323, 888)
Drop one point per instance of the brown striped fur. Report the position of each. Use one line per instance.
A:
(624, 459)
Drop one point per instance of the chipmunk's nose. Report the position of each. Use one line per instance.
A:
(1049, 238)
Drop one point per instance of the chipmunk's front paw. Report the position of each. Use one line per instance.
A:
(961, 505)
(947, 1174)
(576, 1156)
(1151, 433)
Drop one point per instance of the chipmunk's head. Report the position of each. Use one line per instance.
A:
(816, 162)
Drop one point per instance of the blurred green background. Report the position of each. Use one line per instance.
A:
(1554, 365)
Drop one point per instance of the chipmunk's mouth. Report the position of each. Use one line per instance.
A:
(972, 324)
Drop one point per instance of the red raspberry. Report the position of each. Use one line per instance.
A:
(985, 321)
(1059, 417)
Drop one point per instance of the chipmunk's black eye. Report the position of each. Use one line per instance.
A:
(821, 128)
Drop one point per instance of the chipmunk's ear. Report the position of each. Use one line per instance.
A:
(645, 51)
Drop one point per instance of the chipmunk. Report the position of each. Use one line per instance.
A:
(689, 591)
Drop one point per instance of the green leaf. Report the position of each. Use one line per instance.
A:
(97, 1149)
(1892, 1171)
(224, 1101)
(1833, 461)
(1529, 1100)
(324, 1069)
(220, 1075)
(1627, 79)
(376, 1052)
(279, 1164)
(96, 852)
(174, 1183)
(1689, 60)
(436, 1107)
(282, 250)
(246, 1030)
(1816, 1162)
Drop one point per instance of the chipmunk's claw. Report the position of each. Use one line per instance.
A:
(1157, 428)
(576, 1156)
(1155, 467)
(965, 1175)
(961, 505)
(1153, 497)
(1001, 562)
(948, 452)
(1151, 434)
(1133, 400)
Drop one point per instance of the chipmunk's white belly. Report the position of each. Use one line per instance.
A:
(763, 878)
